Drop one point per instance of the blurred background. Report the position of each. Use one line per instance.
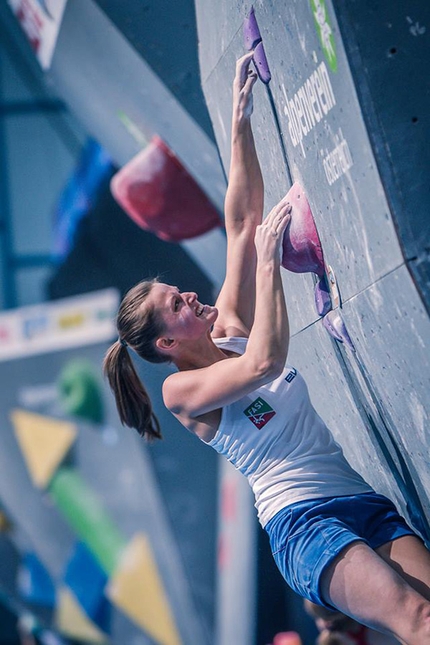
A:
(114, 154)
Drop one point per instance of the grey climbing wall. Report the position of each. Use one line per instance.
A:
(388, 44)
(375, 399)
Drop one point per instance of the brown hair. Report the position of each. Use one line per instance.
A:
(138, 327)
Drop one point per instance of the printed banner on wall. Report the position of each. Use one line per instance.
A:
(70, 322)
(40, 20)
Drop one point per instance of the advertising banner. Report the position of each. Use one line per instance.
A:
(40, 20)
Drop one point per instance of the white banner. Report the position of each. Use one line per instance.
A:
(58, 325)
(40, 20)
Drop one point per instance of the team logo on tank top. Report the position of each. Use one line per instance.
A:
(291, 375)
(259, 412)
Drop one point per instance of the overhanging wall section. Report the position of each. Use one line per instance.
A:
(339, 156)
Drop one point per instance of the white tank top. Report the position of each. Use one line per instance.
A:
(277, 440)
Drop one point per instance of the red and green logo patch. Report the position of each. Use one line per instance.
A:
(259, 412)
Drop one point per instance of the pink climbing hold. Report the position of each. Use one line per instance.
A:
(159, 195)
(302, 252)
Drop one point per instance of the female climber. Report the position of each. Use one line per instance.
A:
(335, 540)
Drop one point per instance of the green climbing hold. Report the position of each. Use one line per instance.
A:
(80, 391)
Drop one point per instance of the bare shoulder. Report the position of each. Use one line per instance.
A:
(178, 391)
(171, 391)
(204, 426)
(191, 393)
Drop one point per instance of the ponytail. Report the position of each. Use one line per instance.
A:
(132, 400)
(138, 327)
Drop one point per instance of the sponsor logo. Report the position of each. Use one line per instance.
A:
(325, 32)
(259, 412)
(337, 162)
(312, 102)
(291, 375)
(36, 326)
(71, 320)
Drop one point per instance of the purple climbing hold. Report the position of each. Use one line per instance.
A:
(336, 327)
(302, 252)
(322, 296)
(253, 41)
(331, 327)
(261, 64)
(251, 32)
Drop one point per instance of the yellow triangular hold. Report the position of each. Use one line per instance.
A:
(137, 589)
(72, 621)
(44, 443)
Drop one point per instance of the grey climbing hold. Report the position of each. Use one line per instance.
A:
(336, 327)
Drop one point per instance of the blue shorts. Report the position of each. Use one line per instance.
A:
(307, 536)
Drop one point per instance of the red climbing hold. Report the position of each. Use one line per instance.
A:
(159, 195)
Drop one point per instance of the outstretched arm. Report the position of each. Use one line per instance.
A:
(243, 212)
(194, 392)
